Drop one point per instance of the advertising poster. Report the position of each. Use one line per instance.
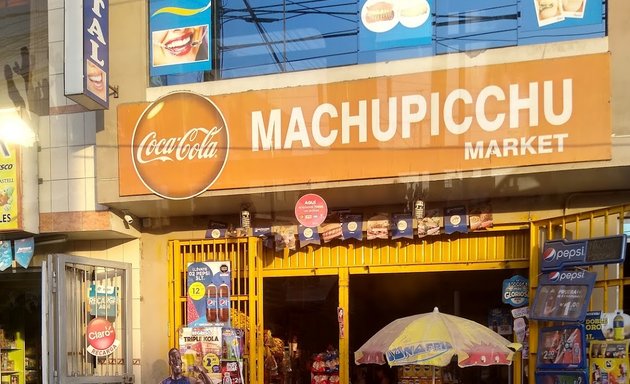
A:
(24, 249)
(231, 372)
(561, 347)
(402, 226)
(561, 377)
(96, 52)
(352, 226)
(563, 296)
(103, 301)
(516, 291)
(455, 220)
(208, 287)
(395, 23)
(179, 34)
(545, 14)
(201, 346)
(9, 192)
(6, 254)
(378, 227)
(430, 223)
(480, 217)
(308, 235)
(608, 362)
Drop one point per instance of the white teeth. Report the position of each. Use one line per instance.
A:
(178, 43)
(96, 78)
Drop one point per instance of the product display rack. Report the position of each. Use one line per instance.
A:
(12, 360)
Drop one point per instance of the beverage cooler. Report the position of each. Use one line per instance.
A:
(608, 361)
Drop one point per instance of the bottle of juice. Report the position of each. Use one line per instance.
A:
(618, 326)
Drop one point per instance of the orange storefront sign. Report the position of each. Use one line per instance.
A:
(504, 115)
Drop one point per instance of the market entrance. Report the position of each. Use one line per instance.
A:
(377, 300)
(301, 314)
(20, 326)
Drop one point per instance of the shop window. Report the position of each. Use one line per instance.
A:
(256, 37)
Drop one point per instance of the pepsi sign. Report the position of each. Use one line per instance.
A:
(563, 295)
(559, 254)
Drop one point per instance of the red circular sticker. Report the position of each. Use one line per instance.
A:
(101, 336)
(311, 210)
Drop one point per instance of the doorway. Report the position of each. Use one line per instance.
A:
(21, 324)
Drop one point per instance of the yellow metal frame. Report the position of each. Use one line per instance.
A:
(500, 248)
(245, 299)
(584, 225)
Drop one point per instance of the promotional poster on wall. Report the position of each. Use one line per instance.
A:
(179, 36)
(208, 288)
(561, 347)
(563, 296)
(201, 346)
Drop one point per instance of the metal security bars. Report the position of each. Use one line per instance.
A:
(246, 283)
(72, 305)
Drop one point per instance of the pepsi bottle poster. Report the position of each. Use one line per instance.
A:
(208, 286)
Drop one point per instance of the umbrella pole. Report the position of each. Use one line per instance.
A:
(433, 374)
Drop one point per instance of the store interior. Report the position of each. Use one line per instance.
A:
(20, 321)
(304, 310)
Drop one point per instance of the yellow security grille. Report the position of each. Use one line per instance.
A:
(246, 285)
(501, 248)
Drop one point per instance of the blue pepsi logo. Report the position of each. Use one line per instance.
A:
(549, 254)
(554, 276)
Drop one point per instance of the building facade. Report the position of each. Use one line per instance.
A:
(506, 124)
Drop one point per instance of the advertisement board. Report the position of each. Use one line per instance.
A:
(86, 53)
(10, 194)
(559, 254)
(504, 115)
(563, 296)
(561, 348)
(209, 289)
(179, 36)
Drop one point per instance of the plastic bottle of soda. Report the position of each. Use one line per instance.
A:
(618, 326)
(211, 303)
(224, 303)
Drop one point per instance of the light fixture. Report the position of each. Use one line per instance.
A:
(13, 128)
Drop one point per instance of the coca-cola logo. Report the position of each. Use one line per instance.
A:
(180, 145)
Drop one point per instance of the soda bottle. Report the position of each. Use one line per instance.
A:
(618, 327)
(211, 303)
(224, 303)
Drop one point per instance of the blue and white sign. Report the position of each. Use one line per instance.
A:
(558, 254)
(179, 36)
(86, 53)
(516, 291)
(24, 250)
(402, 226)
(352, 226)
